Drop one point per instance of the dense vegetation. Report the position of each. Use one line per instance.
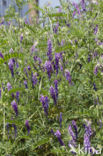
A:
(51, 76)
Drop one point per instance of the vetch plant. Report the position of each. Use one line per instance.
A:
(51, 76)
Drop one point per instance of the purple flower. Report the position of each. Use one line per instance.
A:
(34, 79)
(13, 60)
(17, 96)
(96, 70)
(17, 65)
(44, 100)
(68, 25)
(57, 57)
(56, 88)
(87, 135)
(68, 76)
(49, 53)
(60, 9)
(2, 21)
(0, 92)
(75, 128)
(71, 145)
(56, 28)
(48, 67)
(60, 119)
(27, 126)
(25, 72)
(94, 87)
(74, 13)
(53, 95)
(52, 131)
(26, 22)
(61, 67)
(95, 54)
(46, 105)
(9, 87)
(1, 55)
(8, 23)
(73, 134)
(86, 142)
(88, 129)
(11, 50)
(100, 124)
(11, 64)
(62, 42)
(83, 5)
(21, 37)
(100, 43)
(77, 8)
(29, 68)
(15, 129)
(25, 83)
(12, 94)
(32, 48)
(58, 135)
(89, 58)
(96, 29)
(15, 107)
(37, 59)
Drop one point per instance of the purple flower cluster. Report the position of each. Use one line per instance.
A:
(8, 129)
(56, 88)
(15, 129)
(1, 55)
(0, 92)
(96, 29)
(49, 53)
(2, 21)
(11, 50)
(15, 107)
(60, 119)
(56, 28)
(68, 76)
(83, 5)
(45, 103)
(73, 134)
(25, 83)
(21, 37)
(17, 96)
(58, 135)
(27, 126)
(74, 13)
(11, 65)
(94, 87)
(9, 87)
(87, 135)
(54, 92)
(77, 8)
(34, 79)
(96, 70)
(29, 68)
(49, 68)
(57, 58)
(37, 59)
(25, 72)
(53, 95)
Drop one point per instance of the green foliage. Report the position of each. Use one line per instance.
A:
(79, 101)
